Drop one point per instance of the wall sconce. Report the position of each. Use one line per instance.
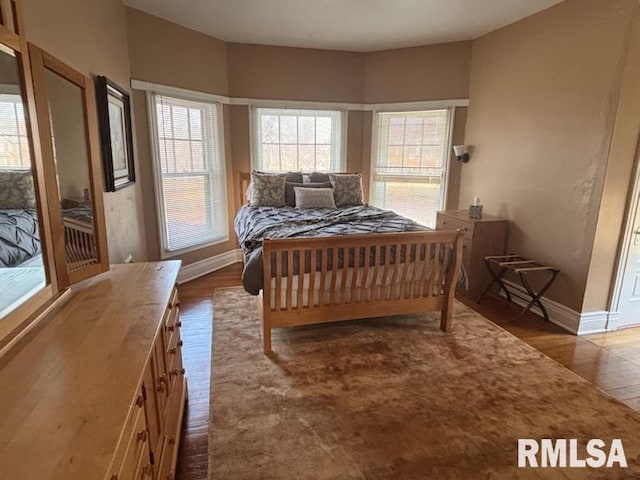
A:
(463, 152)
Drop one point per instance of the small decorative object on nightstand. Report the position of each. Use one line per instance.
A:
(475, 210)
(482, 237)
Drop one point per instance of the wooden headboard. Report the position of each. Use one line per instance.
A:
(244, 178)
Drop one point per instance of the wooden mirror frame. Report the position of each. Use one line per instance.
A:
(42, 61)
(17, 322)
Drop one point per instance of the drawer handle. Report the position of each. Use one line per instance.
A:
(172, 351)
(172, 440)
(172, 328)
(161, 383)
(147, 470)
(139, 401)
(177, 371)
(141, 436)
(171, 475)
(180, 343)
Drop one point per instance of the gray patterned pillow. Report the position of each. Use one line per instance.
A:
(16, 190)
(347, 188)
(314, 197)
(268, 189)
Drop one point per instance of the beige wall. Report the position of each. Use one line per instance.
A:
(66, 107)
(165, 53)
(92, 38)
(283, 73)
(623, 160)
(543, 101)
(432, 72)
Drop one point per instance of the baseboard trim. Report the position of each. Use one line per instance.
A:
(563, 316)
(198, 269)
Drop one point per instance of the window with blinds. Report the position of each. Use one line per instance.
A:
(409, 163)
(14, 142)
(190, 172)
(307, 140)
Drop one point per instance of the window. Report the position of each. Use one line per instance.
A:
(190, 172)
(14, 142)
(308, 140)
(409, 163)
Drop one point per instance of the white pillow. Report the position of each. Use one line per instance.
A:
(314, 197)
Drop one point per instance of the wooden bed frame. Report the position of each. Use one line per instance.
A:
(376, 287)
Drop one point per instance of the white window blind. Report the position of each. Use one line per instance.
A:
(287, 139)
(190, 172)
(409, 163)
(14, 142)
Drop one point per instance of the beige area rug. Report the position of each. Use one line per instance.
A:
(395, 398)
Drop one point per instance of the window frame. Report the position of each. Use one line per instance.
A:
(161, 221)
(407, 109)
(254, 150)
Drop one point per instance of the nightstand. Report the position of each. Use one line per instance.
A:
(483, 237)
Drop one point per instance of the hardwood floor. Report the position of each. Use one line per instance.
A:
(611, 361)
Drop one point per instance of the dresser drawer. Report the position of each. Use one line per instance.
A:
(444, 222)
(137, 448)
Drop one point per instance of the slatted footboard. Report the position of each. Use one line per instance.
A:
(328, 279)
(80, 244)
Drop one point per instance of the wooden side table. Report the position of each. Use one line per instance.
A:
(483, 237)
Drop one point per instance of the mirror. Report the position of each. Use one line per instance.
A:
(65, 104)
(71, 160)
(22, 270)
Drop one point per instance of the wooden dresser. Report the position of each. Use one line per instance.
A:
(97, 389)
(487, 236)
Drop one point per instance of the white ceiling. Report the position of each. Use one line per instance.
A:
(356, 25)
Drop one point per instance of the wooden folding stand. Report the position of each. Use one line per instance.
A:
(499, 265)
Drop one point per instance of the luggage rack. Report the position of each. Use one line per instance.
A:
(501, 264)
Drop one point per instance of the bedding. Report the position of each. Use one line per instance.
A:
(19, 236)
(253, 224)
(80, 214)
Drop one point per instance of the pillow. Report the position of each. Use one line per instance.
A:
(16, 190)
(319, 177)
(314, 197)
(268, 189)
(289, 194)
(347, 188)
(294, 177)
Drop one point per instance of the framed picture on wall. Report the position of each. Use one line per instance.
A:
(114, 117)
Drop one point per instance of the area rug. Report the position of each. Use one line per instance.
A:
(396, 398)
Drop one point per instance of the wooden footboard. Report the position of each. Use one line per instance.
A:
(80, 244)
(328, 279)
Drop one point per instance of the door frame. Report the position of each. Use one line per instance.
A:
(631, 215)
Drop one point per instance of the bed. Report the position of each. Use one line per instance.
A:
(310, 266)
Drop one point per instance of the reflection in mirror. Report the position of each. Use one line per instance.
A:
(22, 272)
(71, 157)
